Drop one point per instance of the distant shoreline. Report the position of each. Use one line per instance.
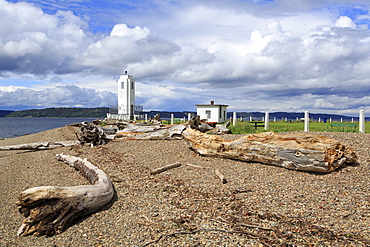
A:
(101, 113)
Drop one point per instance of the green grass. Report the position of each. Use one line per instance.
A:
(282, 126)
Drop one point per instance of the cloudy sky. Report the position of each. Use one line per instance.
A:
(254, 55)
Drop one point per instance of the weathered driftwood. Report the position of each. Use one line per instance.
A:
(140, 128)
(90, 133)
(195, 166)
(156, 119)
(50, 209)
(160, 133)
(165, 168)
(221, 129)
(221, 176)
(196, 123)
(39, 145)
(304, 152)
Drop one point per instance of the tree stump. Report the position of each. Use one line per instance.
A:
(303, 152)
(90, 133)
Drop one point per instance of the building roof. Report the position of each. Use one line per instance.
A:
(212, 103)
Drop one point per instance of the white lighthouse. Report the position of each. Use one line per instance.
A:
(126, 96)
(126, 110)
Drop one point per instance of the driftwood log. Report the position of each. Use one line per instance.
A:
(140, 128)
(303, 152)
(50, 209)
(39, 145)
(157, 132)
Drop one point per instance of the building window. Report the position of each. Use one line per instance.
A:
(132, 85)
(208, 114)
(122, 85)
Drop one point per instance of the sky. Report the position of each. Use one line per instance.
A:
(253, 55)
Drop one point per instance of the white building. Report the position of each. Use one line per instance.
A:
(212, 113)
(126, 99)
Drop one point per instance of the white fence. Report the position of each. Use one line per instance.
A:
(306, 119)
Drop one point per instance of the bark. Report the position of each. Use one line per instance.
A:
(303, 152)
(48, 210)
(39, 145)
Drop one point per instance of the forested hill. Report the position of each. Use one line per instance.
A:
(4, 113)
(84, 113)
(100, 112)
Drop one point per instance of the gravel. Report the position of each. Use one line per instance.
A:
(260, 205)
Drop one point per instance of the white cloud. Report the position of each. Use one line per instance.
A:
(345, 21)
(59, 96)
(34, 42)
(137, 33)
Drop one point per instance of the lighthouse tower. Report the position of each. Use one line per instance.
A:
(126, 96)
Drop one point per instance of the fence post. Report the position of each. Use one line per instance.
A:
(361, 128)
(234, 118)
(172, 118)
(267, 120)
(306, 121)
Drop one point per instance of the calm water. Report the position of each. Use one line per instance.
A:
(13, 127)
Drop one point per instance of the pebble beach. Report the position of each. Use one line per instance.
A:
(258, 205)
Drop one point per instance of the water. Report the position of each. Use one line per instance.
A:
(13, 127)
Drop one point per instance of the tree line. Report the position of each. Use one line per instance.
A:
(100, 112)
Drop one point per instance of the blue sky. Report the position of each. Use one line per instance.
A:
(254, 55)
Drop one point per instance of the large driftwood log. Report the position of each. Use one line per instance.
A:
(50, 209)
(156, 133)
(39, 145)
(140, 128)
(304, 152)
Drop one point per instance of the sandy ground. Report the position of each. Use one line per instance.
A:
(260, 205)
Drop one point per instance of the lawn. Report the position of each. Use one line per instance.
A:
(283, 126)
